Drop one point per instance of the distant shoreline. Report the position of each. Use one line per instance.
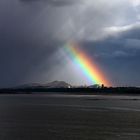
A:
(81, 91)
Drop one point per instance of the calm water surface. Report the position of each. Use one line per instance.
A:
(69, 117)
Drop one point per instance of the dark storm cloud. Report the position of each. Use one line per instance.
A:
(54, 2)
(26, 45)
(32, 34)
(23, 61)
(118, 56)
(128, 35)
(24, 53)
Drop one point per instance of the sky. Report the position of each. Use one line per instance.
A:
(33, 34)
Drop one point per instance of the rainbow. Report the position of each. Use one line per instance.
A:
(88, 66)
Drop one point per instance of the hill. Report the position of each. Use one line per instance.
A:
(54, 84)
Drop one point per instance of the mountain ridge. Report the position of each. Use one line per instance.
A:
(53, 84)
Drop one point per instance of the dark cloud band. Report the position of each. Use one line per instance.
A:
(54, 2)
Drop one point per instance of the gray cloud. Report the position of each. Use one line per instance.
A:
(119, 62)
(133, 43)
(32, 37)
(54, 2)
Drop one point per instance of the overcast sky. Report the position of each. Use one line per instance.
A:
(33, 33)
